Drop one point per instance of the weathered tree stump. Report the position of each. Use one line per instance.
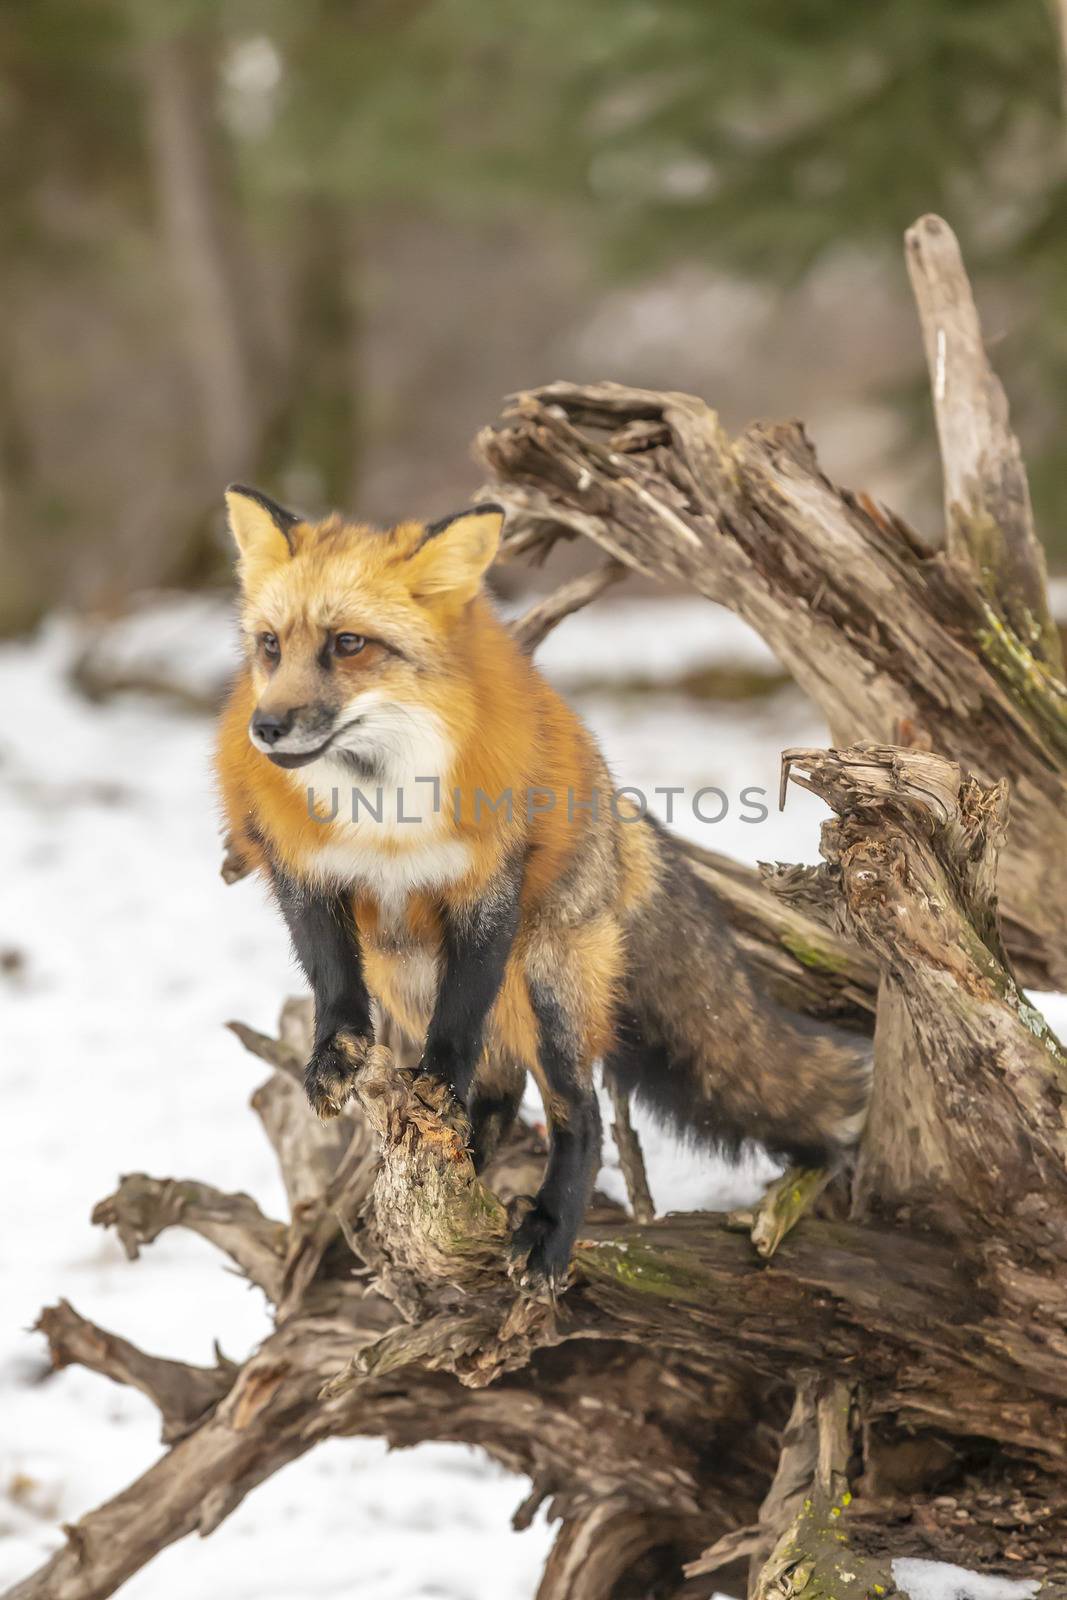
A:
(893, 1380)
(898, 640)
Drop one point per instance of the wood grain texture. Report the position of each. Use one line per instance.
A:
(895, 643)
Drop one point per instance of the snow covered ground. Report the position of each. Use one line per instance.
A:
(121, 956)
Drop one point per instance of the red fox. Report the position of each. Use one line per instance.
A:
(480, 879)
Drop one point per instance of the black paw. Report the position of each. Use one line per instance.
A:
(331, 1074)
(545, 1243)
(441, 1068)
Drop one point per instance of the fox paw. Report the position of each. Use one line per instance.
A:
(544, 1243)
(331, 1074)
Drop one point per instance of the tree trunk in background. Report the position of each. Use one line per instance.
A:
(181, 91)
(1059, 13)
(25, 587)
(315, 424)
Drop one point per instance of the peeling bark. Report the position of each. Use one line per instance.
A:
(911, 869)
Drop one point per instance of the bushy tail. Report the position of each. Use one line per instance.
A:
(710, 1052)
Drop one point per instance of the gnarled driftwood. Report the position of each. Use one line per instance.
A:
(893, 1381)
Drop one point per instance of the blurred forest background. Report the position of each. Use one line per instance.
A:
(311, 243)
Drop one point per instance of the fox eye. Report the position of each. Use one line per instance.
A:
(348, 644)
(270, 646)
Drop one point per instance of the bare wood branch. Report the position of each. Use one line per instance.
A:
(708, 1329)
(881, 633)
(841, 1293)
(308, 1151)
(534, 626)
(988, 520)
(436, 1223)
(269, 1417)
(319, 1219)
(815, 1547)
(276, 1411)
(792, 1480)
(142, 1208)
(801, 961)
(327, 1168)
(827, 1282)
(183, 1394)
(427, 1197)
(606, 1543)
(278, 1053)
(234, 865)
(631, 1160)
(730, 1548)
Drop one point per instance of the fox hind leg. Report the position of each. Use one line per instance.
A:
(493, 1105)
(545, 1235)
(572, 973)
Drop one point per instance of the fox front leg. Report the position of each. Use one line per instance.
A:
(476, 942)
(326, 943)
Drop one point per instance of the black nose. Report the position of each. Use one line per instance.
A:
(270, 726)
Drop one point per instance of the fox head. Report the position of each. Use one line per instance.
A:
(346, 628)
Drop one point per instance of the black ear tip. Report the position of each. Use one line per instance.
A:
(282, 519)
(486, 508)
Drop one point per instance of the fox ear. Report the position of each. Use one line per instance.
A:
(455, 553)
(262, 530)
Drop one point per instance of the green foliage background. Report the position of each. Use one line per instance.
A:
(750, 135)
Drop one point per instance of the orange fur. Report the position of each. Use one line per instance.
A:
(538, 937)
(504, 726)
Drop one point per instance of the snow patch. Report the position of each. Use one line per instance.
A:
(940, 1580)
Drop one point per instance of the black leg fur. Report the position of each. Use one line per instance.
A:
(477, 944)
(549, 1230)
(326, 944)
(491, 1112)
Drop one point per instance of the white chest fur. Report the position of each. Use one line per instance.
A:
(392, 876)
(391, 833)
